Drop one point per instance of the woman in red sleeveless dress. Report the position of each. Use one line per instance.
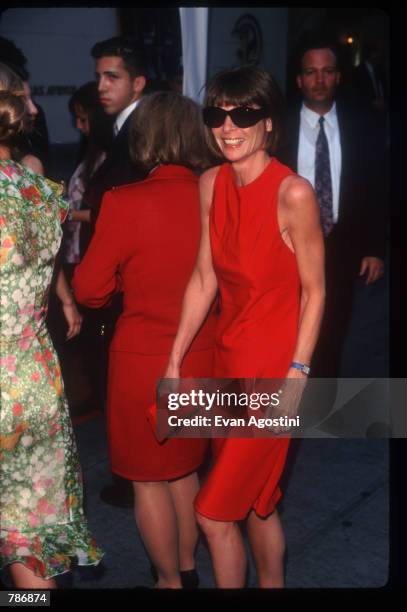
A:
(262, 248)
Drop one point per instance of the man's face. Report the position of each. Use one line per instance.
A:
(117, 89)
(319, 78)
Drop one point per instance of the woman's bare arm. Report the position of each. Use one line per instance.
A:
(71, 313)
(80, 215)
(202, 286)
(299, 215)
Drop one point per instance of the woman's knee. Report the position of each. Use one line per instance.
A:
(213, 528)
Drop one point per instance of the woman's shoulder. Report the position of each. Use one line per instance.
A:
(208, 178)
(296, 196)
(294, 188)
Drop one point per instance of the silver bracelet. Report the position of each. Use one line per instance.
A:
(302, 367)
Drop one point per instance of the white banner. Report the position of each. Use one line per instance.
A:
(194, 33)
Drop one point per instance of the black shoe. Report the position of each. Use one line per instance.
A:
(189, 579)
(117, 495)
(153, 573)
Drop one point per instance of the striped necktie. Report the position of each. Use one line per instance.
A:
(323, 182)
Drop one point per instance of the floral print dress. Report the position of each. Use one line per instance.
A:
(42, 523)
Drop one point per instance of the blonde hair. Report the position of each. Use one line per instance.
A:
(12, 106)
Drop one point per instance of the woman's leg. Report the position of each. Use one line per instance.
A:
(157, 522)
(24, 578)
(268, 546)
(227, 551)
(183, 492)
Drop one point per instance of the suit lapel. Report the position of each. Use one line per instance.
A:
(115, 150)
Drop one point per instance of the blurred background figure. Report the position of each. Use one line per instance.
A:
(34, 144)
(369, 83)
(96, 130)
(368, 87)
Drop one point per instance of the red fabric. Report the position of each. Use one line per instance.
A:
(145, 244)
(135, 452)
(256, 334)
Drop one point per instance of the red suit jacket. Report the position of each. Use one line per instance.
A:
(145, 244)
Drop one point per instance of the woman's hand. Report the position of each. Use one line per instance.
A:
(73, 319)
(290, 399)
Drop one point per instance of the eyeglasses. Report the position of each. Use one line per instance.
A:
(242, 116)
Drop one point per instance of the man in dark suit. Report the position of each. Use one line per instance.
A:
(335, 148)
(121, 76)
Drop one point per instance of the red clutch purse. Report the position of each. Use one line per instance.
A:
(152, 419)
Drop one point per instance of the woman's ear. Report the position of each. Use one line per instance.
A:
(269, 125)
(139, 84)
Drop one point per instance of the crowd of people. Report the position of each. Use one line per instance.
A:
(219, 242)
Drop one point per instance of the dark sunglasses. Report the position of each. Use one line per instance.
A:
(242, 116)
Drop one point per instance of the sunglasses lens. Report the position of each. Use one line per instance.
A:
(244, 116)
(213, 116)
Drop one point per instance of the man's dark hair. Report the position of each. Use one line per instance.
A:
(130, 52)
(13, 57)
(317, 41)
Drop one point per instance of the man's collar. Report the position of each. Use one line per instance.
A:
(121, 117)
(312, 117)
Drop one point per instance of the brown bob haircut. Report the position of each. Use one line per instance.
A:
(246, 86)
(167, 128)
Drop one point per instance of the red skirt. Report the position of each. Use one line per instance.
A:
(135, 452)
(246, 471)
(244, 477)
